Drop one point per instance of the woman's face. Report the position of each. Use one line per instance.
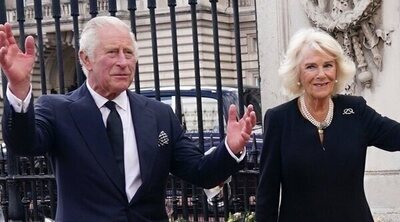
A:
(317, 74)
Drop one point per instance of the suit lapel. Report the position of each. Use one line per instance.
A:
(144, 122)
(89, 122)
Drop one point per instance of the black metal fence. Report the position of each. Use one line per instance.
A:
(27, 184)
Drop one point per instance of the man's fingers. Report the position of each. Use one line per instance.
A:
(3, 40)
(253, 118)
(30, 46)
(2, 33)
(9, 35)
(249, 125)
(250, 108)
(251, 114)
(232, 113)
(3, 52)
(249, 111)
(245, 136)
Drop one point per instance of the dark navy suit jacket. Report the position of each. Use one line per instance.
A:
(90, 185)
(317, 184)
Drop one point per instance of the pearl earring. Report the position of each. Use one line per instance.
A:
(336, 81)
(298, 84)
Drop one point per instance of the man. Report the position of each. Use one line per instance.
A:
(96, 181)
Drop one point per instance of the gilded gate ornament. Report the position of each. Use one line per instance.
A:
(350, 21)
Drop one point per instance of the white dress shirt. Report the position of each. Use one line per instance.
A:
(131, 156)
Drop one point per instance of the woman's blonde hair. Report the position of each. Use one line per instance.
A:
(322, 42)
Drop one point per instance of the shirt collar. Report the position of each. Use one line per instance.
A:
(121, 100)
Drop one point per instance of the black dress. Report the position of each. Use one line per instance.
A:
(320, 182)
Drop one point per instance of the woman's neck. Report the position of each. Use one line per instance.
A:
(318, 108)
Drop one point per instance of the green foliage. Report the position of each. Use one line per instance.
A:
(236, 217)
(242, 217)
(180, 220)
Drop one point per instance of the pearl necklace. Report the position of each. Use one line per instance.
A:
(320, 125)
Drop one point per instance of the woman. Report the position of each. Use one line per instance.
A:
(315, 145)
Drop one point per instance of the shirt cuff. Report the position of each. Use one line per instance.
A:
(234, 156)
(20, 106)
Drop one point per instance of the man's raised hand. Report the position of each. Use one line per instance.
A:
(16, 64)
(239, 132)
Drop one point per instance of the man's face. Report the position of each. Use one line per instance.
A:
(112, 68)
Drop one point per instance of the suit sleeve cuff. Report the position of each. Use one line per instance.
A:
(20, 106)
(234, 156)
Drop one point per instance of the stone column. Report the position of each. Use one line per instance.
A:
(277, 21)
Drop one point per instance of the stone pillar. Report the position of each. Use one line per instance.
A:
(382, 179)
(11, 4)
(277, 20)
(280, 19)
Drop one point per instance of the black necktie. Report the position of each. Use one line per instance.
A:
(115, 134)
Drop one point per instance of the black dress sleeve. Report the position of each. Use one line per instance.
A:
(267, 200)
(381, 131)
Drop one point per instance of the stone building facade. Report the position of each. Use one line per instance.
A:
(184, 32)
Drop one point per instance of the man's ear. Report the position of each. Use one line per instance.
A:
(85, 60)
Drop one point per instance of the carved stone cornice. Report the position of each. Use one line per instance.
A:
(352, 24)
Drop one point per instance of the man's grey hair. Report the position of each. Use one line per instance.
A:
(89, 38)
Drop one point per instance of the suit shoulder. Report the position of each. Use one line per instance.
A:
(150, 101)
(54, 98)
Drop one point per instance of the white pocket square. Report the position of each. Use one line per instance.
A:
(162, 139)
